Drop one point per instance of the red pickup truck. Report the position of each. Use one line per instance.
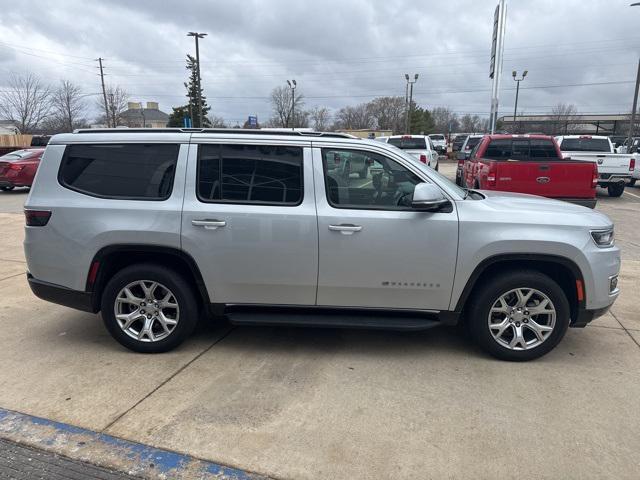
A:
(530, 164)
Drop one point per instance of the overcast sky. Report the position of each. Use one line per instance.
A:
(340, 51)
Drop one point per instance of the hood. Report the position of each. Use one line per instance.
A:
(547, 210)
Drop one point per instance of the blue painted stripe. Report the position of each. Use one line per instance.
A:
(42, 433)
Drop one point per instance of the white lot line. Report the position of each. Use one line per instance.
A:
(632, 194)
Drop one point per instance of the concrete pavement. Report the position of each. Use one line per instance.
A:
(309, 403)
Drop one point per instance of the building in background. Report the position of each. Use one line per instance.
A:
(367, 133)
(150, 117)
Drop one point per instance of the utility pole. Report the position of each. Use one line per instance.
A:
(515, 108)
(104, 93)
(197, 36)
(113, 110)
(410, 106)
(292, 85)
(632, 124)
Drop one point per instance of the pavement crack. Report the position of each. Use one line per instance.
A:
(167, 380)
(12, 276)
(624, 328)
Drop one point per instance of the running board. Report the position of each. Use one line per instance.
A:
(345, 319)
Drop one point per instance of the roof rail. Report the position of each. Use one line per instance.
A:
(236, 131)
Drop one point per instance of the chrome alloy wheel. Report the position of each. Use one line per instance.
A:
(146, 311)
(522, 318)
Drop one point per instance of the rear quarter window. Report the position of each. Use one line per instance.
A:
(139, 171)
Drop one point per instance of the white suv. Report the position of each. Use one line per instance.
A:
(154, 228)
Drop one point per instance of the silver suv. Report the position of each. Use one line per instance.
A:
(155, 228)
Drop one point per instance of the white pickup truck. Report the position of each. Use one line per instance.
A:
(615, 170)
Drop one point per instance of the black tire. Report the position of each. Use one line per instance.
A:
(458, 180)
(7, 189)
(483, 299)
(615, 189)
(363, 173)
(437, 166)
(182, 291)
(632, 182)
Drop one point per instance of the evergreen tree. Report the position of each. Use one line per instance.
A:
(192, 95)
(176, 119)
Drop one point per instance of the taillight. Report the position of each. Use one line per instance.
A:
(93, 273)
(594, 178)
(37, 218)
(460, 163)
(423, 158)
(491, 175)
(632, 165)
(16, 167)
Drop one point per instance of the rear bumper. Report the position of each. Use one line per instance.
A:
(608, 179)
(585, 202)
(6, 183)
(62, 295)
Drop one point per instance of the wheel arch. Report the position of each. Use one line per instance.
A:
(110, 259)
(561, 269)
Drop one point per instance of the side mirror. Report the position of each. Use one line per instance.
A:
(428, 198)
(461, 156)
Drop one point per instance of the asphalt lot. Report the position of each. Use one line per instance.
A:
(310, 403)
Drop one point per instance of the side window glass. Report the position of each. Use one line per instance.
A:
(260, 174)
(360, 179)
(472, 156)
(543, 149)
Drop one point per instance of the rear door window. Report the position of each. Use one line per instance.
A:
(132, 171)
(541, 148)
(499, 149)
(254, 174)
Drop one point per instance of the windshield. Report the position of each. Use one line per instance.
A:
(409, 143)
(585, 145)
(473, 141)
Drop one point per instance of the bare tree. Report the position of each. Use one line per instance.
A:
(445, 120)
(117, 99)
(284, 106)
(471, 123)
(320, 118)
(354, 118)
(388, 113)
(562, 116)
(215, 121)
(25, 101)
(69, 107)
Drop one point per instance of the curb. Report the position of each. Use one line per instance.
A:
(107, 451)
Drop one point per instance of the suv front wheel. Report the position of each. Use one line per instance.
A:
(519, 315)
(148, 308)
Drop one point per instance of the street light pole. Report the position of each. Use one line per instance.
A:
(515, 108)
(632, 123)
(292, 85)
(410, 106)
(197, 36)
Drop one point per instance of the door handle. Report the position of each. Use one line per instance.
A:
(345, 228)
(208, 224)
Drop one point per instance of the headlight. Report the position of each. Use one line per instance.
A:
(603, 238)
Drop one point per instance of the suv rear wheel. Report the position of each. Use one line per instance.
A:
(519, 315)
(148, 308)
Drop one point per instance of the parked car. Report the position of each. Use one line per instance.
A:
(18, 168)
(614, 170)
(530, 164)
(439, 143)
(469, 144)
(458, 141)
(153, 228)
(419, 146)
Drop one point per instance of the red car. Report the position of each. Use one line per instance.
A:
(18, 168)
(530, 164)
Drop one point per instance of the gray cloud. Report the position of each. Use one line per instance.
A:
(339, 52)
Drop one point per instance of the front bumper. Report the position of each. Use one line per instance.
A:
(584, 317)
(62, 295)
